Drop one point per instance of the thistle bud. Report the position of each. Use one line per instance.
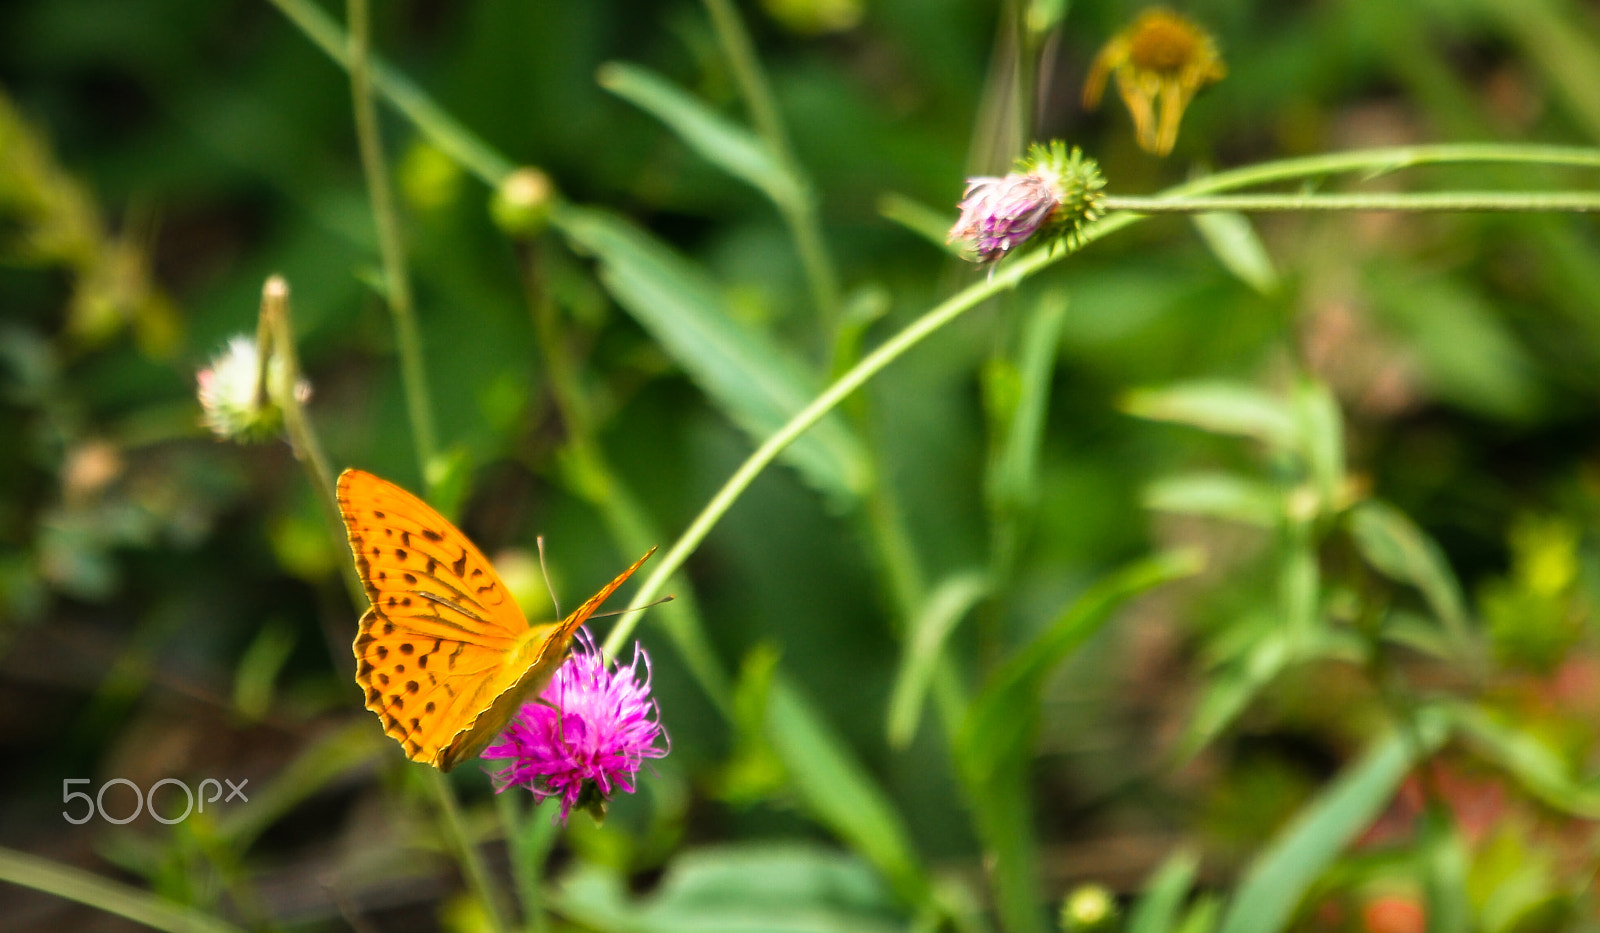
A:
(1053, 193)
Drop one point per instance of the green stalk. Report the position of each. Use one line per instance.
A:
(586, 473)
(89, 889)
(1572, 201)
(801, 216)
(276, 336)
(841, 389)
(466, 850)
(529, 845)
(397, 281)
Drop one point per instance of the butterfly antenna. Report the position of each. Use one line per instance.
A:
(618, 612)
(546, 571)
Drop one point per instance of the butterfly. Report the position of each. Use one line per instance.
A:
(444, 655)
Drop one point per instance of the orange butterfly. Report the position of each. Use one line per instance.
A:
(444, 655)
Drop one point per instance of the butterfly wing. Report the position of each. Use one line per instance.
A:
(430, 653)
(444, 656)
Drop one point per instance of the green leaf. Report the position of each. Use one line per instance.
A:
(995, 740)
(259, 666)
(1280, 876)
(1157, 908)
(782, 888)
(1000, 725)
(1321, 432)
(1218, 407)
(929, 223)
(1233, 240)
(840, 792)
(1228, 691)
(757, 383)
(1524, 756)
(1393, 544)
(113, 897)
(1220, 495)
(753, 771)
(1202, 917)
(947, 605)
(713, 137)
(1445, 860)
(1014, 481)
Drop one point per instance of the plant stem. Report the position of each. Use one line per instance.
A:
(587, 473)
(857, 376)
(528, 844)
(276, 331)
(466, 850)
(396, 280)
(74, 884)
(747, 72)
(801, 216)
(1574, 201)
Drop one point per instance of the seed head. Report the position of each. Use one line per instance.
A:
(233, 403)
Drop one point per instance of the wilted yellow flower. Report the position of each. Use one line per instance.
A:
(1162, 59)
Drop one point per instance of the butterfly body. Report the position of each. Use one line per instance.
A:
(444, 656)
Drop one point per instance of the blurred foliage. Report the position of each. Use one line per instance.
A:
(1239, 569)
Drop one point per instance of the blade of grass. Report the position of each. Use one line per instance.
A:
(946, 606)
(75, 884)
(1158, 907)
(841, 793)
(713, 137)
(1275, 882)
(1218, 407)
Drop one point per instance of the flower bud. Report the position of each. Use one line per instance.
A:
(1054, 193)
(1090, 908)
(521, 204)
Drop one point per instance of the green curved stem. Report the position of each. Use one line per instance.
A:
(466, 849)
(841, 389)
(1570, 201)
(396, 280)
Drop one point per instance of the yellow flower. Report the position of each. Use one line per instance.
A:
(1162, 59)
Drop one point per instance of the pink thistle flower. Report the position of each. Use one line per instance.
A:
(587, 735)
